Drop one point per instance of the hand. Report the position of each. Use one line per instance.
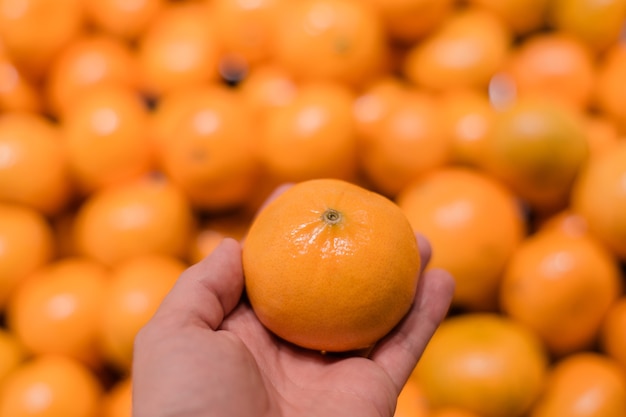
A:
(204, 353)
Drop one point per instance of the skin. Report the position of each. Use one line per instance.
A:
(204, 353)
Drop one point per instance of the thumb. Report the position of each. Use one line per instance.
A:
(207, 291)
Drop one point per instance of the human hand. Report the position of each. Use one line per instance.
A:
(204, 353)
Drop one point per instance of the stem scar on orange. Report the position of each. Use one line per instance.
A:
(331, 266)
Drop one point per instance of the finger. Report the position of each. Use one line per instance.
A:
(425, 250)
(399, 351)
(209, 290)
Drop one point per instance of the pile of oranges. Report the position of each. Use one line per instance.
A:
(134, 135)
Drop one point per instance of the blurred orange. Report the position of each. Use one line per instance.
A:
(561, 286)
(598, 24)
(554, 65)
(602, 134)
(208, 147)
(51, 386)
(34, 31)
(89, 60)
(246, 28)
(178, 49)
(17, 92)
(488, 364)
(466, 51)
(267, 87)
(467, 117)
(452, 412)
(214, 229)
(599, 196)
(134, 291)
(613, 332)
(146, 216)
(412, 402)
(521, 16)
(26, 244)
(537, 148)
(106, 135)
(123, 18)
(331, 40)
(313, 136)
(409, 21)
(117, 401)
(474, 225)
(33, 166)
(56, 310)
(12, 354)
(409, 142)
(610, 93)
(585, 384)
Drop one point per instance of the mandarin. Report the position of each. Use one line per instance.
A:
(412, 401)
(474, 225)
(561, 286)
(610, 91)
(485, 363)
(585, 384)
(17, 92)
(122, 18)
(330, 266)
(12, 354)
(613, 332)
(522, 16)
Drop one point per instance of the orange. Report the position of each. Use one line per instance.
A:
(583, 385)
(466, 51)
(34, 170)
(467, 117)
(474, 225)
(331, 40)
(522, 16)
(602, 134)
(330, 266)
(26, 244)
(313, 136)
(146, 216)
(485, 363)
(56, 310)
(408, 21)
(452, 412)
(17, 92)
(246, 29)
(537, 148)
(411, 401)
(211, 152)
(598, 24)
(51, 386)
(266, 87)
(410, 142)
(561, 286)
(178, 49)
(613, 332)
(213, 230)
(106, 136)
(554, 65)
(12, 354)
(87, 61)
(599, 196)
(135, 289)
(610, 90)
(117, 401)
(35, 31)
(123, 18)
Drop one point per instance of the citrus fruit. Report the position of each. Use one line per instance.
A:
(34, 170)
(411, 401)
(132, 295)
(485, 363)
(26, 242)
(146, 216)
(57, 309)
(212, 230)
(313, 136)
(610, 91)
(585, 384)
(537, 148)
(599, 196)
(330, 266)
(330, 40)
(17, 92)
(474, 225)
(51, 386)
(452, 412)
(613, 332)
(12, 354)
(522, 16)
(561, 286)
(122, 18)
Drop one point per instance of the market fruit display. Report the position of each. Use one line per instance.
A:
(134, 139)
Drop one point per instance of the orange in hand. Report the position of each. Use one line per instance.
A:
(330, 266)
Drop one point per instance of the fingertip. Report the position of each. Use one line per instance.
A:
(425, 249)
